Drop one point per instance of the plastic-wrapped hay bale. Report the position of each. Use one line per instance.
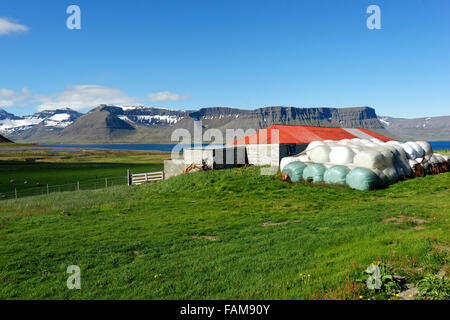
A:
(411, 153)
(433, 159)
(402, 169)
(388, 156)
(286, 160)
(382, 178)
(315, 172)
(294, 170)
(303, 158)
(426, 147)
(399, 169)
(393, 148)
(355, 139)
(336, 174)
(400, 152)
(370, 159)
(391, 175)
(314, 144)
(420, 152)
(412, 163)
(370, 145)
(341, 155)
(406, 167)
(344, 142)
(362, 179)
(439, 157)
(426, 167)
(320, 154)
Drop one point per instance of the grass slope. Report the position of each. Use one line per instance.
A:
(220, 234)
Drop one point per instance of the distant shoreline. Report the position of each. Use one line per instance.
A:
(436, 145)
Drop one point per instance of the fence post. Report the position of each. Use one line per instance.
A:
(78, 185)
(128, 177)
(106, 182)
(146, 177)
(15, 191)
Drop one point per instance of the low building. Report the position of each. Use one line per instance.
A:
(213, 156)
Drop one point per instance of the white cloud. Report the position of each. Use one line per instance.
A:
(7, 27)
(166, 96)
(6, 103)
(80, 97)
(9, 98)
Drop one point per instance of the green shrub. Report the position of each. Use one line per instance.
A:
(434, 288)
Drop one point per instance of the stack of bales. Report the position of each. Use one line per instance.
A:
(363, 164)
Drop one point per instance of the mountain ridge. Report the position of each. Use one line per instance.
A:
(141, 124)
(425, 128)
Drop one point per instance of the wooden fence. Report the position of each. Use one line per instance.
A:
(140, 178)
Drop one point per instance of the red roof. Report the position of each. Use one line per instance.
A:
(306, 134)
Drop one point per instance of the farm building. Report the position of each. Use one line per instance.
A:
(268, 146)
(264, 147)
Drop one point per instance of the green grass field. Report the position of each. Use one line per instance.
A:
(228, 234)
(29, 171)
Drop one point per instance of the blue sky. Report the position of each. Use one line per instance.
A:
(245, 54)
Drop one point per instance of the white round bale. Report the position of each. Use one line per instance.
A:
(370, 159)
(341, 155)
(320, 154)
(426, 147)
(287, 160)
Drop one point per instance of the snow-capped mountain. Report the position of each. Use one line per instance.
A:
(145, 115)
(50, 119)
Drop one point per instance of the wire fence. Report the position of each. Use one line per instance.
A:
(91, 184)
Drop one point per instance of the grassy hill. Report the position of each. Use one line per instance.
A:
(222, 235)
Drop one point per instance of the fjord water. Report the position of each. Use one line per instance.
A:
(440, 145)
(145, 147)
(436, 145)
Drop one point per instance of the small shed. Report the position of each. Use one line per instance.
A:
(216, 156)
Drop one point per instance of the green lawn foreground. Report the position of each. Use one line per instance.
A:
(225, 234)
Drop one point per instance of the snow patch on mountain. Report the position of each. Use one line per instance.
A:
(11, 125)
(60, 118)
(161, 118)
